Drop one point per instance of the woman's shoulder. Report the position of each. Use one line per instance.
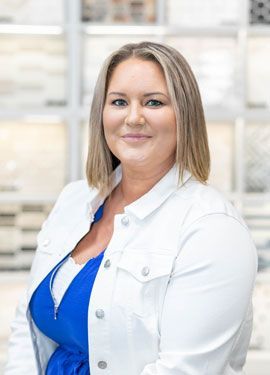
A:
(77, 189)
(75, 186)
(73, 196)
(201, 200)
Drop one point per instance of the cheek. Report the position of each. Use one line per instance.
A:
(108, 125)
(111, 117)
(166, 126)
(110, 129)
(167, 134)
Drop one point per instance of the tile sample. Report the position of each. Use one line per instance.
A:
(221, 144)
(191, 13)
(32, 72)
(259, 12)
(258, 72)
(256, 213)
(260, 338)
(18, 236)
(32, 158)
(213, 61)
(119, 11)
(257, 158)
(37, 12)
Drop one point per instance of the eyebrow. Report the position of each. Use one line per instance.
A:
(145, 95)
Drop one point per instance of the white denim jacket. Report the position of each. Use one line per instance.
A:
(176, 291)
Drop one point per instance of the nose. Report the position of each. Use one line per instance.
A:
(135, 116)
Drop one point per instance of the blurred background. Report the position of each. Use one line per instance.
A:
(50, 55)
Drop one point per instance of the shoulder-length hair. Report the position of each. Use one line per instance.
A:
(192, 151)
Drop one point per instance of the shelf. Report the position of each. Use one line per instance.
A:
(31, 29)
(221, 114)
(115, 29)
(257, 115)
(261, 30)
(23, 198)
(96, 29)
(254, 197)
(263, 277)
(37, 115)
(249, 115)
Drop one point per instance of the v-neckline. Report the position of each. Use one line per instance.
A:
(53, 275)
(98, 215)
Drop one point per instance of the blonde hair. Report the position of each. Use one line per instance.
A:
(192, 151)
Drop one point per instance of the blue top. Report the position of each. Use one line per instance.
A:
(69, 327)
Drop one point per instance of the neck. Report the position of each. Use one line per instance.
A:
(137, 181)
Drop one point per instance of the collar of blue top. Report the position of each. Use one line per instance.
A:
(99, 213)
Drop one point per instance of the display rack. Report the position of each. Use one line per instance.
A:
(236, 124)
(84, 46)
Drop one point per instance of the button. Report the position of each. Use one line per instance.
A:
(107, 264)
(145, 271)
(100, 313)
(102, 364)
(125, 220)
(46, 242)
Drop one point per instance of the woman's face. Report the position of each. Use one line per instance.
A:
(138, 117)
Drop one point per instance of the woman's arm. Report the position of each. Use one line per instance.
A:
(21, 357)
(207, 298)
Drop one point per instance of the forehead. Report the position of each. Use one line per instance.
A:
(135, 72)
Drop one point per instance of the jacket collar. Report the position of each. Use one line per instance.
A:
(150, 201)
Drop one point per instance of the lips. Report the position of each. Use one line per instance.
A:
(136, 136)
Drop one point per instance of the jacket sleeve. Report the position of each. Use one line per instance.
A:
(21, 356)
(207, 298)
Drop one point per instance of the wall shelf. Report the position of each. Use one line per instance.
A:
(96, 29)
(86, 44)
(31, 29)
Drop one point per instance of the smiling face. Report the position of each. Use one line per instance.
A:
(138, 117)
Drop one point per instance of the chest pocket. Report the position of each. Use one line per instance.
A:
(142, 279)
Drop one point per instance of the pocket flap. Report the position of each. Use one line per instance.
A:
(146, 266)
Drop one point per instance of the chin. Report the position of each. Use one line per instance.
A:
(133, 162)
(129, 156)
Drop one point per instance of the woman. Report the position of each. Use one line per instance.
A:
(143, 269)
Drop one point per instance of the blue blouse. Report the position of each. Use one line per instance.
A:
(68, 328)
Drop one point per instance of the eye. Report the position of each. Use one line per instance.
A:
(158, 103)
(118, 100)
